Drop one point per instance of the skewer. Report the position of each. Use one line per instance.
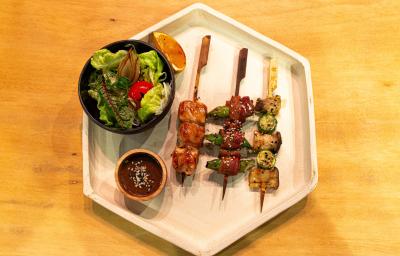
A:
(203, 58)
(224, 186)
(262, 194)
(272, 84)
(183, 177)
(273, 74)
(241, 73)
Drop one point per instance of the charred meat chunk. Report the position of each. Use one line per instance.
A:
(184, 159)
(192, 111)
(191, 134)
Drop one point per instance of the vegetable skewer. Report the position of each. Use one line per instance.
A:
(192, 115)
(266, 140)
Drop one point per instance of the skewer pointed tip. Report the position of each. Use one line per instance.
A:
(262, 194)
(183, 176)
(224, 186)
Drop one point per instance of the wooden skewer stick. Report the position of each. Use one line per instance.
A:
(203, 58)
(241, 73)
(183, 177)
(273, 77)
(262, 194)
(224, 186)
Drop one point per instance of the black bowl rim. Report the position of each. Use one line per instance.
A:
(155, 119)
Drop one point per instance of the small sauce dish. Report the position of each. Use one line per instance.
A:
(140, 174)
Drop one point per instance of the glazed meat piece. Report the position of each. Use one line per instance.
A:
(184, 159)
(191, 134)
(231, 139)
(271, 142)
(264, 179)
(270, 105)
(234, 108)
(247, 107)
(229, 153)
(240, 108)
(232, 124)
(192, 111)
(230, 166)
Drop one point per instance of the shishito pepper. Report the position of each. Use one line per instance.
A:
(217, 140)
(219, 112)
(244, 164)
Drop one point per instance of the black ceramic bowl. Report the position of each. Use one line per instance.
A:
(90, 105)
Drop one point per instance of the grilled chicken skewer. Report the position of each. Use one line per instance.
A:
(192, 115)
(266, 140)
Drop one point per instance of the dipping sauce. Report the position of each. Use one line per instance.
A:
(140, 174)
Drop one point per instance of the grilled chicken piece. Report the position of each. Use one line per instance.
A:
(271, 142)
(192, 111)
(231, 139)
(184, 159)
(230, 166)
(264, 179)
(270, 105)
(191, 134)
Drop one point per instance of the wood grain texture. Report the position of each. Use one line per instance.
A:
(353, 47)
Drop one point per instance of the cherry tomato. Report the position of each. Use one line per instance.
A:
(138, 90)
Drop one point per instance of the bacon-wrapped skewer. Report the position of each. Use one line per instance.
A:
(267, 141)
(231, 138)
(192, 116)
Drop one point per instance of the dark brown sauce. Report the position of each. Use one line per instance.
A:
(140, 174)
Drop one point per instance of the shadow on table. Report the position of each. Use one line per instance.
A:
(163, 246)
(169, 249)
(264, 229)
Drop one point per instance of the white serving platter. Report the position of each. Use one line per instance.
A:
(193, 216)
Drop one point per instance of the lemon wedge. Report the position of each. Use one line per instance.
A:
(171, 49)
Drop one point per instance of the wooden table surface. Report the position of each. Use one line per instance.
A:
(354, 50)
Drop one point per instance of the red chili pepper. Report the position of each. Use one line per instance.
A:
(138, 90)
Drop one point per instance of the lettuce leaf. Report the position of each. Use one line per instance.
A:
(106, 113)
(153, 102)
(105, 60)
(151, 67)
(112, 99)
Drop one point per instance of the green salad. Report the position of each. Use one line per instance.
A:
(129, 88)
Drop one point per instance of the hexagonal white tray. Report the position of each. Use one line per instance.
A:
(193, 216)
